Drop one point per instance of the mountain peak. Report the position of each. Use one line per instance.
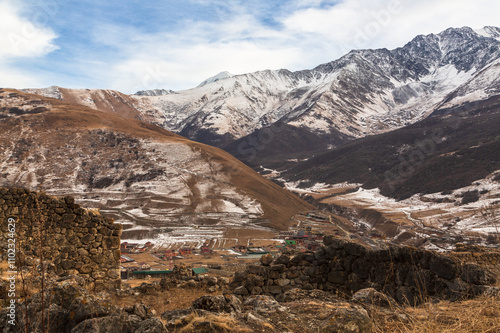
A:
(489, 31)
(154, 92)
(218, 77)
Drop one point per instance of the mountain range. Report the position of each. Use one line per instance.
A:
(282, 120)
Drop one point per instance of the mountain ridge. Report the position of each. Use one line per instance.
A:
(364, 92)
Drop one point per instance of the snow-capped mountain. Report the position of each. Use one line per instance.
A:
(364, 92)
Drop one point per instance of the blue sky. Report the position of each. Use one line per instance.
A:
(133, 45)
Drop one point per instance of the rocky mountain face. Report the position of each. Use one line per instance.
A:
(140, 173)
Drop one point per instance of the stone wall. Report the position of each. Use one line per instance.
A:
(407, 274)
(76, 241)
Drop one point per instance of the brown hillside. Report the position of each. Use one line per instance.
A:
(44, 140)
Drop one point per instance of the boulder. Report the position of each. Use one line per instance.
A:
(371, 296)
(266, 259)
(348, 319)
(218, 303)
(264, 304)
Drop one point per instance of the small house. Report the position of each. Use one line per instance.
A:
(199, 270)
(205, 249)
(185, 251)
(155, 274)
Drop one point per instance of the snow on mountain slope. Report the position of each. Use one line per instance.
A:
(236, 105)
(489, 31)
(154, 92)
(435, 220)
(484, 84)
(138, 172)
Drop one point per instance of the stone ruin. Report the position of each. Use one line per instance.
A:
(409, 275)
(74, 240)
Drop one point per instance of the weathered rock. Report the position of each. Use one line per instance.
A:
(152, 325)
(272, 289)
(210, 280)
(338, 277)
(443, 266)
(282, 260)
(266, 259)
(473, 273)
(108, 324)
(256, 290)
(278, 268)
(347, 319)
(264, 304)
(147, 288)
(371, 296)
(68, 218)
(173, 315)
(282, 282)
(254, 319)
(141, 310)
(219, 303)
(241, 291)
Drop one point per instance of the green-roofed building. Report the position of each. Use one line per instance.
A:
(156, 274)
(199, 270)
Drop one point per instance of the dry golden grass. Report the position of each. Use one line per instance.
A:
(478, 315)
(176, 298)
(216, 323)
(481, 315)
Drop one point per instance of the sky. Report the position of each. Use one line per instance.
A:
(133, 45)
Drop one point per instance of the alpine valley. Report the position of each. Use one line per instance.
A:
(403, 143)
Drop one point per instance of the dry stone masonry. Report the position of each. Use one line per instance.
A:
(407, 274)
(76, 241)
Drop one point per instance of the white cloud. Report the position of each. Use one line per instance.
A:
(20, 37)
(354, 24)
(305, 38)
(187, 67)
(180, 61)
(305, 34)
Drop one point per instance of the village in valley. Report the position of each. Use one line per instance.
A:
(149, 260)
